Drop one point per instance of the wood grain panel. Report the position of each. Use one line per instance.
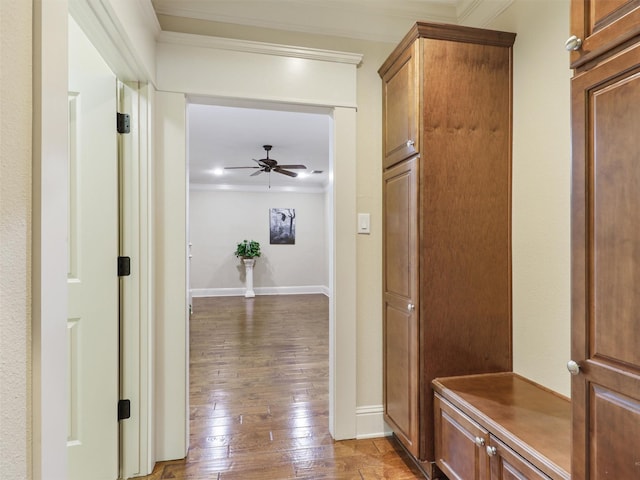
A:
(615, 421)
(399, 110)
(519, 412)
(400, 229)
(508, 465)
(605, 256)
(602, 25)
(466, 262)
(400, 320)
(616, 216)
(401, 374)
(463, 211)
(457, 454)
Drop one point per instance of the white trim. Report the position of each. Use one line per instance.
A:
(246, 46)
(383, 24)
(480, 13)
(238, 292)
(49, 245)
(102, 26)
(370, 422)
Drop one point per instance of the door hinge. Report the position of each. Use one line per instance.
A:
(123, 123)
(124, 409)
(124, 266)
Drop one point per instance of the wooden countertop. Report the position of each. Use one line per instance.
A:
(531, 419)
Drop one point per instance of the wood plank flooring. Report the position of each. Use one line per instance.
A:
(259, 401)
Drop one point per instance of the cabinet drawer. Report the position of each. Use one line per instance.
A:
(460, 443)
(508, 465)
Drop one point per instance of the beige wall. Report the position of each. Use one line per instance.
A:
(541, 190)
(540, 187)
(219, 219)
(369, 179)
(15, 237)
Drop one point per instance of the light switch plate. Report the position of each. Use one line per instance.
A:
(364, 223)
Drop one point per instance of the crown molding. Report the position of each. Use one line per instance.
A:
(357, 19)
(101, 24)
(480, 13)
(247, 46)
(257, 188)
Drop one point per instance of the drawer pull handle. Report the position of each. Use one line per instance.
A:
(480, 441)
(573, 43)
(492, 451)
(410, 143)
(573, 367)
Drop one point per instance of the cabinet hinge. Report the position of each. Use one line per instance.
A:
(124, 409)
(124, 266)
(123, 123)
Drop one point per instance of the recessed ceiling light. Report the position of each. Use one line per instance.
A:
(218, 171)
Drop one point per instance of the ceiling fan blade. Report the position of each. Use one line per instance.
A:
(233, 168)
(293, 167)
(256, 173)
(285, 172)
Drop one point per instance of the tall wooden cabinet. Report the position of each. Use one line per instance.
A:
(605, 347)
(446, 218)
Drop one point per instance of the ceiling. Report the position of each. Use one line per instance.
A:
(232, 135)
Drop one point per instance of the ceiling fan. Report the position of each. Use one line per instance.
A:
(269, 165)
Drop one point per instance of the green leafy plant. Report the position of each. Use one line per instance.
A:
(248, 249)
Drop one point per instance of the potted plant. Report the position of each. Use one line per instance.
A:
(248, 249)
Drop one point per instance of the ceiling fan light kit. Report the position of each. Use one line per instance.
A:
(269, 165)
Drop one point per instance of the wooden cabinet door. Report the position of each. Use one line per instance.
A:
(459, 444)
(606, 269)
(602, 25)
(508, 465)
(400, 108)
(400, 327)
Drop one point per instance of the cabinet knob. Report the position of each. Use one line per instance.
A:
(411, 307)
(480, 441)
(573, 367)
(410, 143)
(492, 451)
(573, 43)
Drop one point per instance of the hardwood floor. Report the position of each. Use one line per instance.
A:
(259, 398)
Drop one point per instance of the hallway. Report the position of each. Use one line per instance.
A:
(259, 398)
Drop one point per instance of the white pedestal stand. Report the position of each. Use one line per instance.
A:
(248, 267)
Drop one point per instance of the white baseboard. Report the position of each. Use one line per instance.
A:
(239, 292)
(370, 422)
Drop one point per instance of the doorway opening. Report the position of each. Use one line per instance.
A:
(229, 200)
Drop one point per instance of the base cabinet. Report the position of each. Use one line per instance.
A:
(500, 427)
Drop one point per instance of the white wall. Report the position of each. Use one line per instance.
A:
(15, 238)
(541, 190)
(220, 219)
(170, 235)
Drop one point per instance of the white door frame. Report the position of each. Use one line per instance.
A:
(114, 30)
(226, 69)
(50, 153)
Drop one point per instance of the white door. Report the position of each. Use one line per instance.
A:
(92, 278)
